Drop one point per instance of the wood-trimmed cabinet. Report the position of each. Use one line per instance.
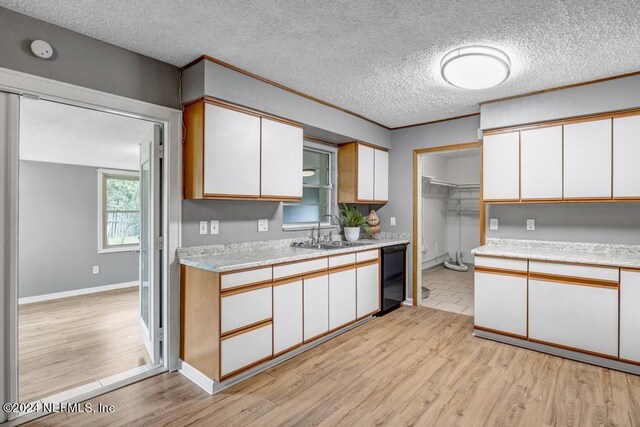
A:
(630, 316)
(234, 153)
(234, 321)
(506, 278)
(581, 308)
(363, 173)
(586, 159)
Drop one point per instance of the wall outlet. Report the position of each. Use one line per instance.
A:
(203, 227)
(493, 224)
(393, 220)
(531, 224)
(263, 225)
(96, 269)
(215, 226)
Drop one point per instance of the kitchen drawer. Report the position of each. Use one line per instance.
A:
(367, 255)
(245, 278)
(292, 269)
(244, 349)
(609, 274)
(340, 260)
(501, 263)
(242, 309)
(575, 316)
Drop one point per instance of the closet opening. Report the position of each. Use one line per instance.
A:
(449, 228)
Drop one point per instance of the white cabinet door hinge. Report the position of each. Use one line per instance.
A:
(159, 334)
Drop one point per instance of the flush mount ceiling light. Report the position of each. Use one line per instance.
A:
(475, 67)
(308, 172)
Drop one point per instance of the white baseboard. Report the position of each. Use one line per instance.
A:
(197, 377)
(408, 301)
(76, 292)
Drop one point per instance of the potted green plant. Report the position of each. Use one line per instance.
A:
(352, 222)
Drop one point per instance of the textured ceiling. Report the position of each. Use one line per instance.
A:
(379, 59)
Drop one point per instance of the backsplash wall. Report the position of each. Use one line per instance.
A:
(571, 222)
(238, 222)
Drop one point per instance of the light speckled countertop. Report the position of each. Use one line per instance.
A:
(223, 258)
(580, 253)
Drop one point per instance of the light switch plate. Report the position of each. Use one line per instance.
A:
(96, 269)
(493, 224)
(393, 220)
(215, 226)
(263, 225)
(203, 227)
(531, 224)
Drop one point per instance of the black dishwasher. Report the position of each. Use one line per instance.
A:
(393, 277)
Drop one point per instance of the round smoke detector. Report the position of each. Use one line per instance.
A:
(41, 49)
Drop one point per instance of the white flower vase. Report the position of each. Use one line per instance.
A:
(352, 233)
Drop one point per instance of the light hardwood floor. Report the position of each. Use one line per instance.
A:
(415, 366)
(73, 341)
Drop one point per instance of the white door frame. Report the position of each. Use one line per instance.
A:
(25, 84)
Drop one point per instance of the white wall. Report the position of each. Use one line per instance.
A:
(434, 220)
(449, 232)
(463, 231)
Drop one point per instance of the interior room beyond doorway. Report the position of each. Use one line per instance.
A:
(450, 228)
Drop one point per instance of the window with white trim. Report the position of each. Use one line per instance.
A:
(118, 210)
(317, 191)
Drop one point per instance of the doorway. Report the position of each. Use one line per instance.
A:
(89, 226)
(448, 225)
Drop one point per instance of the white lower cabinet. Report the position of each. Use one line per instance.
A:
(630, 315)
(577, 316)
(342, 298)
(287, 315)
(316, 306)
(241, 350)
(368, 289)
(500, 302)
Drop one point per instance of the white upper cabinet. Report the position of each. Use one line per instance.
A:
(281, 160)
(381, 176)
(363, 174)
(231, 139)
(366, 168)
(233, 153)
(541, 163)
(501, 166)
(587, 160)
(626, 157)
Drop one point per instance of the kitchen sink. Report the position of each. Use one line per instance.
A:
(330, 245)
(345, 244)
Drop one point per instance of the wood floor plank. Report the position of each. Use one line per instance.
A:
(70, 342)
(415, 366)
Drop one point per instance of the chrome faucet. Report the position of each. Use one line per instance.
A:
(333, 217)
